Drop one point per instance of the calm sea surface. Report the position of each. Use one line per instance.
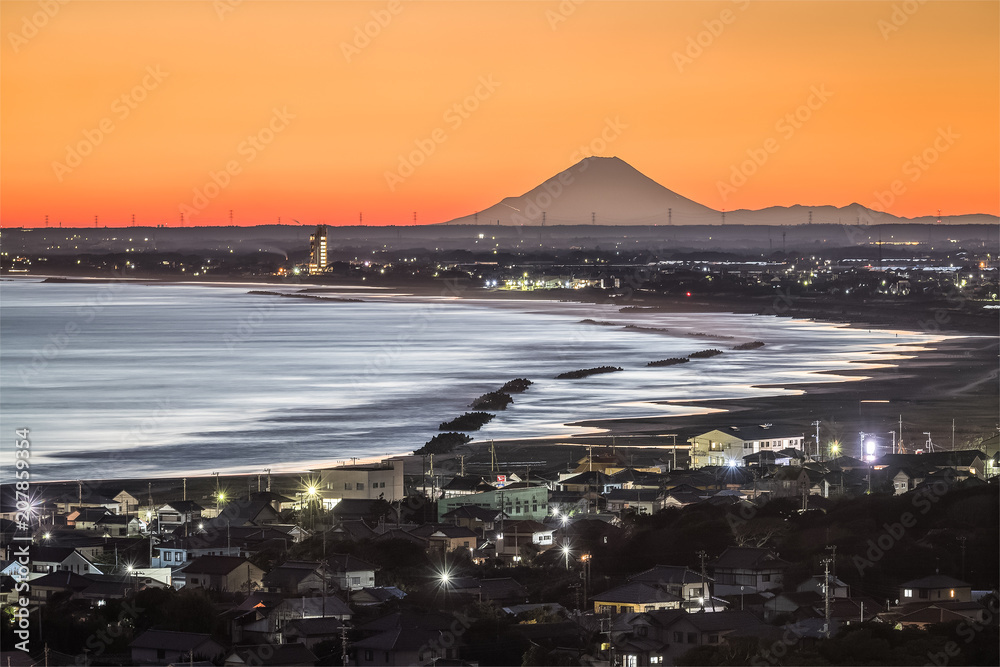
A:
(131, 380)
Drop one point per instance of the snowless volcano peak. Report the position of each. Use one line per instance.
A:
(595, 190)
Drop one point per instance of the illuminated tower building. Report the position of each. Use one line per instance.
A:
(317, 250)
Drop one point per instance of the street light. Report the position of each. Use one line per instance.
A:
(565, 551)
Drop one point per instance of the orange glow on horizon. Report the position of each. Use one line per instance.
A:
(314, 112)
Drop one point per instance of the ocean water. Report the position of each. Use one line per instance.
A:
(131, 380)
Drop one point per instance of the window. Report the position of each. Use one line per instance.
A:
(765, 577)
(678, 637)
(360, 486)
(642, 631)
(952, 593)
(713, 639)
(368, 655)
(167, 555)
(347, 486)
(656, 659)
(692, 638)
(907, 592)
(194, 580)
(923, 593)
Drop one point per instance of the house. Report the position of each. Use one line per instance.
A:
(639, 501)
(368, 597)
(352, 530)
(838, 589)
(521, 502)
(129, 503)
(683, 582)
(263, 617)
(311, 631)
(466, 486)
(58, 559)
(747, 570)
(479, 519)
(635, 597)
(161, 647)
(361, 509)
(725, 447)
(404, 646)
(86, 518)
(296, 577)
(278, 502)
(798, 604)
(248, 513)
(220, 573)
(443, 539)
(379, 481)
(178, 552)
(114, 525)
(278, 655)
(175, 514)
(502, 590)
(350, 572)
(518, 535)
(590, 482)
(933, 588)
(789, 482)
(660, 637)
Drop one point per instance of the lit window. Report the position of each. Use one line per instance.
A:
(951, 593)
(908, 593)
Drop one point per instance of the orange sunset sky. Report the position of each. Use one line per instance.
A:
(121, 108)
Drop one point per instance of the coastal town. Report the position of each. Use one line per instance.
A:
(753, 545)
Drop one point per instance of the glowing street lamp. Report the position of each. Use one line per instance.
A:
(565, 551)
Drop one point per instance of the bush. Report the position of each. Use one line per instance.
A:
(704, 354)
(752, 345)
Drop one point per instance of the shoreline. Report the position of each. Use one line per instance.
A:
(952, 377)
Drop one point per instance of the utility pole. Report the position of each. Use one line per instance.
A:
(832, 548)
(826, 597)
(185, 488)
(893, 433)
(461, 459)
(816, 424)
(953, 434)
(707, 595)
(343, 643)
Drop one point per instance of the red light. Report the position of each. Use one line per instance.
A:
(689, 293)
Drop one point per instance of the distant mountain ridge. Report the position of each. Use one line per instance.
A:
(609, 191)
